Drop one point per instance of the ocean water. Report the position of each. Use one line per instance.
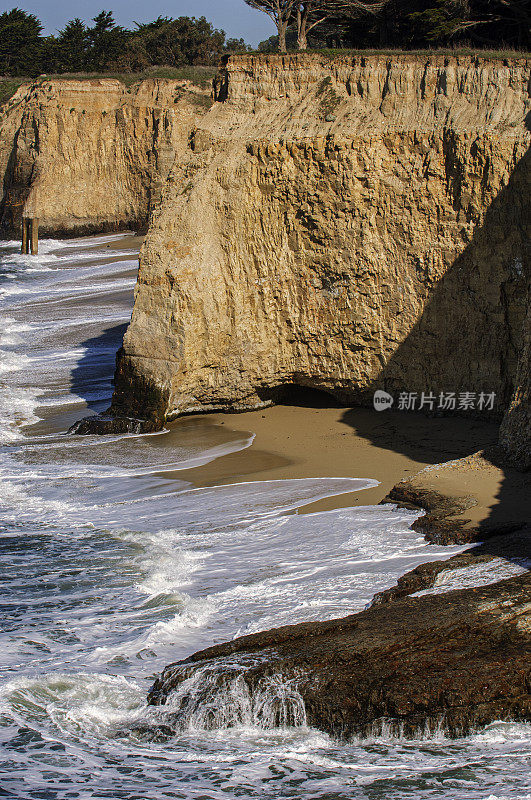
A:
(113, 566)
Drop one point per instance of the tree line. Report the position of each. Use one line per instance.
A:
(177, 42)
(105, 46)
(403, 24)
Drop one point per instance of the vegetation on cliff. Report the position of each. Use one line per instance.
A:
(396, 23)
(106, 46)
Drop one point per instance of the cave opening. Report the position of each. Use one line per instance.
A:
(294, 394)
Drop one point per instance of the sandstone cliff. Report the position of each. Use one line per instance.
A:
(515, 431)
(91, 155)
(339, 224)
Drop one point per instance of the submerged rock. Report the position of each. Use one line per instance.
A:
(105, 424)
(454, 661)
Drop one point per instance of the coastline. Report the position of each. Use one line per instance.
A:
(305, 441)
(442, 651)
(419, 461)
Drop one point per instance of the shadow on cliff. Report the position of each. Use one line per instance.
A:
(92, 377)
(484, 333)
(8, 206)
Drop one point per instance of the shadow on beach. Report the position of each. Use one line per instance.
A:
(90, 377)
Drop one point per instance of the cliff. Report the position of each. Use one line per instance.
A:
(91, 155)
(515, 433)
(344, 224)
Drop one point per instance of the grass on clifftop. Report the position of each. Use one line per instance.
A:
(199, 76)
(8, 87)
(443, 51)
(459, 51)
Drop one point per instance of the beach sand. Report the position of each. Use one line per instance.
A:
(302, 442)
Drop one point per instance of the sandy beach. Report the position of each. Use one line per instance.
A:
(302, 442)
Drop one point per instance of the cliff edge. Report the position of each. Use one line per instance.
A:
(91, 155)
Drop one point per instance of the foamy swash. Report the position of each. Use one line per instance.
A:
(114, 566)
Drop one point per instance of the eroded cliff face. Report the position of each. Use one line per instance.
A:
(345, 225)
(92, 155)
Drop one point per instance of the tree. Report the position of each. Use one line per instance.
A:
(440, 21)
(176, 43)
(234, 45)
(492, 22)
(282, 12)
(72, 47)
(107, 41)
(306, 15)
(20, 43)
(311, 13)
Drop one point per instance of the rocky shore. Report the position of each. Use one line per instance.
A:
(470, 499)
(453, 661)
(446, 649)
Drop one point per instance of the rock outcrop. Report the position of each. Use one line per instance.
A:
(107, 424)
(345, 225)
(453, 661)
(91, 155)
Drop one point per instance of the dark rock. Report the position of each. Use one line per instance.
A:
(435, 503)
(458, 660)
(436, 525)
(105, 424)
(150, 733)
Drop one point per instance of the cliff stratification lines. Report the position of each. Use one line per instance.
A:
(91, 155)
(344, 224)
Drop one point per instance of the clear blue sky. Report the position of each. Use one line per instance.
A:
(233, 16)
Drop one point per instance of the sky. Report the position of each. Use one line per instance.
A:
(233, 16)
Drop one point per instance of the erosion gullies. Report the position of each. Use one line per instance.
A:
(91, 155)
(344, 225)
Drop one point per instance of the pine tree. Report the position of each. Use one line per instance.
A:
(20, 43)
(73, 47)
(107, 42)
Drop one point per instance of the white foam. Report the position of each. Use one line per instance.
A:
(216, 696)
(482, 574)
(12, 362)
(115, 461)
(17, 408)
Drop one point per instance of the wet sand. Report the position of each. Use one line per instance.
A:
(300, 442)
